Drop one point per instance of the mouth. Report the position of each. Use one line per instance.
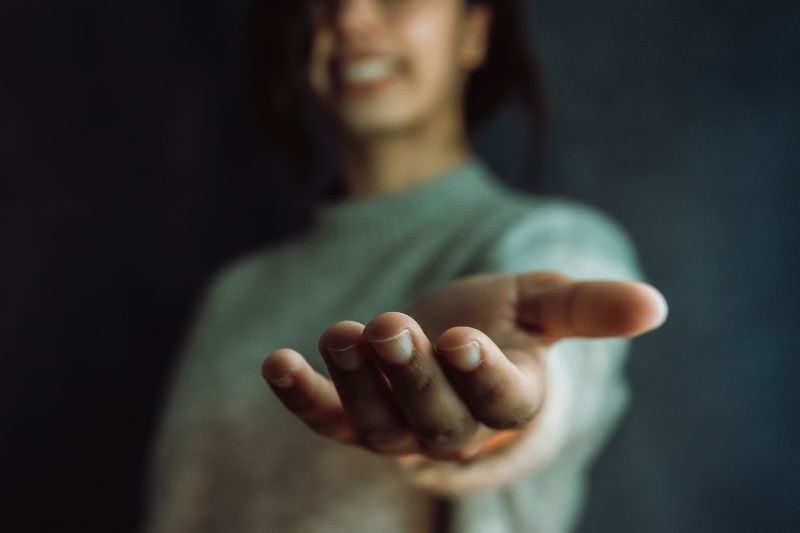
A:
(365, 75)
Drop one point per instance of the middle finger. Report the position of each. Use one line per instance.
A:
(433, 408)
(363, 391)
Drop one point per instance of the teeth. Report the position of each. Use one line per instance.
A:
(367, 70)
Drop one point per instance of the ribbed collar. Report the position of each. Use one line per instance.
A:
(384, 217)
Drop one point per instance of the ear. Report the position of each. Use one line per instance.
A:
(475, 42)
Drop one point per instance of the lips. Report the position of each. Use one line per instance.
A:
(366, 70)
(358, 74)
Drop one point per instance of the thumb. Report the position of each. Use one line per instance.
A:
(559, 306)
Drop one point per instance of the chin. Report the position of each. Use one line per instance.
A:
(376, 124)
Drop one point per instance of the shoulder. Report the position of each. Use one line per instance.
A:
(539, 232)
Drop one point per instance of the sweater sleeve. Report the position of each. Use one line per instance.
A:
(536, 483)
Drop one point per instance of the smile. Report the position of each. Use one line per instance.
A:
(368, 70)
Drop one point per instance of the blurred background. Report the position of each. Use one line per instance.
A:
(131, 169)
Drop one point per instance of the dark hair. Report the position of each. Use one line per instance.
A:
(278, 48)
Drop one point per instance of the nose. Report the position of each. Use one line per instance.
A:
(357, 17)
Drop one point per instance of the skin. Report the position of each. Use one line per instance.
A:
(413, 128)
(432, 406)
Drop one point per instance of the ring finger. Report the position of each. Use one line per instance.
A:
(363, 390)
(433, 408)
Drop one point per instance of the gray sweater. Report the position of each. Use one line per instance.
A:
(229, 458)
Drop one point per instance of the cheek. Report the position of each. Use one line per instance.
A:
(431, 48)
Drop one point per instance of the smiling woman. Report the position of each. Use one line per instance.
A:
(279, 59)
(432, 342)
(425, 52)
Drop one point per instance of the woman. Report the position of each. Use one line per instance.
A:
(454, 316)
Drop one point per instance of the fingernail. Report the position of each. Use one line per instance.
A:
(280, 375)
(466, 357)
(283, 382)
(398, 349)
(346, 358)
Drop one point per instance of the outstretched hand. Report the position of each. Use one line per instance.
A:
(462, 369)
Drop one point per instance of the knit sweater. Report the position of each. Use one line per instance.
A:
(230, 458)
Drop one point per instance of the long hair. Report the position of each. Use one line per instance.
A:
(278, 43)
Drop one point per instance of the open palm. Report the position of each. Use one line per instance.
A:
(460, 370)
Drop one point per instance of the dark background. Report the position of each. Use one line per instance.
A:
(130, 170)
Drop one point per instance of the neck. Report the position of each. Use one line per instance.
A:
(382, 164)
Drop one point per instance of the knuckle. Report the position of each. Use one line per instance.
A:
(380, 435)
(514, 418)
(489, 393)
(301, 405)
(497, 408)
(417, 384)
(439, 434)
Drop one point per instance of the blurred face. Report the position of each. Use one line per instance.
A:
(383, 66)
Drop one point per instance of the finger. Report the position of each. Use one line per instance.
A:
(433, 408)
(363, 390)
(561, 307)
(504, 390)
(307, 394)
